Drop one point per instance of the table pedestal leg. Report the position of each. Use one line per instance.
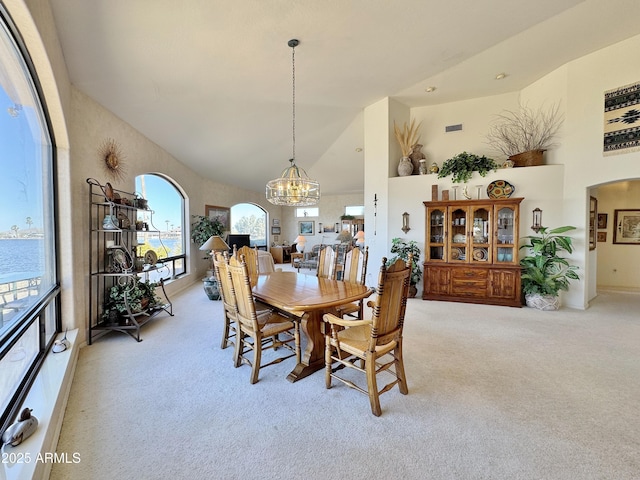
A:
(313, 355)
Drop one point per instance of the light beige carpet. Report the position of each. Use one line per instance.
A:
(494, 393)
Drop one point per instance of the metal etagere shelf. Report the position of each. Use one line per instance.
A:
(113, 261)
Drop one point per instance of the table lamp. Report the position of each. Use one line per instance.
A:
(300, 243)
(215, 243)
(360, 238)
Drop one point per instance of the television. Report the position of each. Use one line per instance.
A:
(239, 240)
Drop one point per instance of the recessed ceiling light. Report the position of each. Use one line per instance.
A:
(430, 89)
(500, 76)
(358, 149)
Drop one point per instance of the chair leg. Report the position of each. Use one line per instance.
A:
(327, 361)
(399, 366)
(372, 384)
(296, 333)
(257, 358)
(239, 347)
(225, 333)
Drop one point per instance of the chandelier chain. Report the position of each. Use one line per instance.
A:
(293, 80)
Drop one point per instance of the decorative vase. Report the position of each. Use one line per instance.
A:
(413, 291)
(542, 302)
(405, 167)
(423, 167)
(211, 288)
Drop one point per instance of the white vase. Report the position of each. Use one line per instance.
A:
(543, 302)
(405, 167)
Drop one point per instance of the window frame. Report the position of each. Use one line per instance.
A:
(49, 302)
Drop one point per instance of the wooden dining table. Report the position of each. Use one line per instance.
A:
(308, 298)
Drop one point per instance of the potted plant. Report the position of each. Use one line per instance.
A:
(139, 297)
(205, 227)
(462, 166)
(407, 137)
(402, 248)
(524, 134)
(544, 271)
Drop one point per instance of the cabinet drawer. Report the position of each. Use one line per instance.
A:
(469, 274)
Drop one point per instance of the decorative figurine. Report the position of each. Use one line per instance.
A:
(434, 168)
(16, 433)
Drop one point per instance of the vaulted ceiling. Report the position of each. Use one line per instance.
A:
(210, 81)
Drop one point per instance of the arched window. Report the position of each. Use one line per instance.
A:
(166, 215)
(251, 219)
(29, 289)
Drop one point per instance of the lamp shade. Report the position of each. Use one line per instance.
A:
(300, 239)
(359, 237)
(215, 243)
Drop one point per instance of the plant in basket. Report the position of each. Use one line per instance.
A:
(524, 134)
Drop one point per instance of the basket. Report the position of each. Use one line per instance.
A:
(532, 158)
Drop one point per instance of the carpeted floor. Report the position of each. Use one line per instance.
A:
(494, 393)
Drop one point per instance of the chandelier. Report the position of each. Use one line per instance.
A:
(293, 188)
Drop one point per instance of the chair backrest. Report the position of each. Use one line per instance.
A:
(245, 306)
(265, 263)
(251, 257)
(225, 287)
(355, 266)
(391, 302)
(327, 263)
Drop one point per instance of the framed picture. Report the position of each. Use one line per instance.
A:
(593, 212)
(221, 213)
(602, 221)
(329, 229)
(275, 230)
(275, 222)
(305, 228)
(626, 230)
(602, 236)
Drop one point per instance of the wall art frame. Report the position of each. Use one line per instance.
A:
(306, 228)
(221, 213)
(626, 229)
(602, 220)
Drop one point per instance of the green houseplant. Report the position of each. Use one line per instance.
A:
(402, 248)
(462, 166)
(204, 227)
(544, 272)
(139, 296)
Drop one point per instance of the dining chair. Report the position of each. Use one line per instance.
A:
(354, 270)
(227, 296)
(372, 346)
(251, 256)
(326, 263)
(258, 331)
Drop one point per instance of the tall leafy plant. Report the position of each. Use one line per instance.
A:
(402, 248)
(205, 227)
(544, 271)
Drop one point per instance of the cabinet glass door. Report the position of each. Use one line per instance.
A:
(480, 231)
(436, 233)
(505, 235)
(458, 235)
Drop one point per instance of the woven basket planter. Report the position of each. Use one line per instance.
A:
(532, 158)
(543, 302)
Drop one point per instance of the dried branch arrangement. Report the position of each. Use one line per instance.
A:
(407, 136)
(525, 129)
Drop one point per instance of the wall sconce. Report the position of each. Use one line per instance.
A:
(405, 222)
(537, 220)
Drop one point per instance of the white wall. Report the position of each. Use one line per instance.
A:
(579, 86)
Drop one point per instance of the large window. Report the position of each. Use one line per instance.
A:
(29, 291)
(251, 219)
(166, 215)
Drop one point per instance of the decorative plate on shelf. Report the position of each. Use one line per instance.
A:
(480, 254)
(500, 189)
(457, 254)
(150, 257)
